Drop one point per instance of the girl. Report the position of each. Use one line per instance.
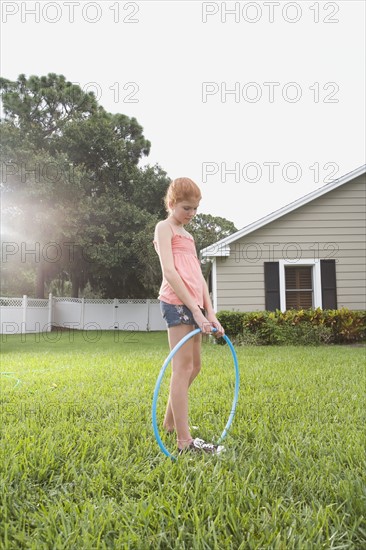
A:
(183, 298)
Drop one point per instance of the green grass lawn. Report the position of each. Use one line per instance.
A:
(81, 468)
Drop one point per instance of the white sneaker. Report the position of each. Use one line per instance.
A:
(199, 445)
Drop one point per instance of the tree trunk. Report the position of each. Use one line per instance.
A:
(40, 281)
(75, 285)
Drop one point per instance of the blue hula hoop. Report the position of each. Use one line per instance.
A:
(160, 378)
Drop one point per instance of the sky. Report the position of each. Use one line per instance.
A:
(259, 103)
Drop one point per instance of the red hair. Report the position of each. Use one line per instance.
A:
(182, 189)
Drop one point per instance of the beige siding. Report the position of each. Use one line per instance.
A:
(332, 226)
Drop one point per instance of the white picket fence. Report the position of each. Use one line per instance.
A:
(32, 315)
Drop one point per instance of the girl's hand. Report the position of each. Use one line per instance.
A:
(207, 323)
(214, 322)
(204, 323)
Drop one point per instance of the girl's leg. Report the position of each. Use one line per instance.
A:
(193, 353)
(182, 371)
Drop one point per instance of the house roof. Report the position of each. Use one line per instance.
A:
(222, 248)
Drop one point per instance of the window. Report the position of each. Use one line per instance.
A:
(308, 283)
(299, 287)
(304, 284)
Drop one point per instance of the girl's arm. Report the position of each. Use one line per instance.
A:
(210, 313)
(207, 304)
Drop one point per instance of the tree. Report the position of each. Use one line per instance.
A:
(41, 107)
(207, 230)
(51, 114)
(62, 152)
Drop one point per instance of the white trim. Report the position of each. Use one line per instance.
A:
(49, 312)
(221, 248)
(217, 249)
(214, 285)
(25, 305)
(317, 282)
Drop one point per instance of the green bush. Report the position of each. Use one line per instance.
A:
(232, 321)
(347, 326)
(246, 338)
(294, 327)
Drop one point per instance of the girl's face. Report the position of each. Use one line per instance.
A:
(184, 211)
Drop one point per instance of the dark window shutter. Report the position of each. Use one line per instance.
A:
(272, 285)
(329, 285)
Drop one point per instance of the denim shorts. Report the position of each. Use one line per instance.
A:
(175, 315)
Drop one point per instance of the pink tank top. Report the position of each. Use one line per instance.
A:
(188, 266)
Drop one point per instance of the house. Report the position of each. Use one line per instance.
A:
(310, 253)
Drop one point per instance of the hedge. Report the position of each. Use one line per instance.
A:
(294, 327)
